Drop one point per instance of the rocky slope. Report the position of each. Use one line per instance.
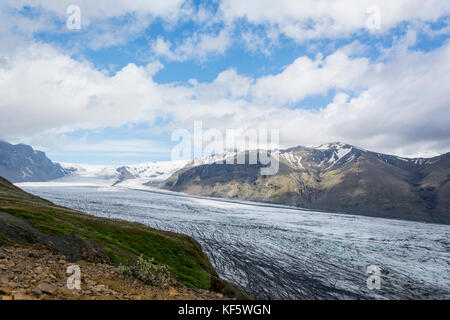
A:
(29, 220)
(21, 163)
(332, 177)
(35, 273)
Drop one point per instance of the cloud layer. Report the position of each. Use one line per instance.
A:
(315, 19)
(397, 102)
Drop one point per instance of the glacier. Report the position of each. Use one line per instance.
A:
(279, 252)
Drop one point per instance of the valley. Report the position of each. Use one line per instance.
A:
(279, 252)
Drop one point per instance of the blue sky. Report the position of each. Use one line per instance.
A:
(135, 72)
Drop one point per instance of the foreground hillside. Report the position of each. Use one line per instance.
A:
(35, 273)
(26, 219)
(332, 177)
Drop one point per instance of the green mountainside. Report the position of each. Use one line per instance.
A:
(27, 219)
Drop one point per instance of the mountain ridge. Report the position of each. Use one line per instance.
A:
(21, 163)
(333, 177)
(116, 174)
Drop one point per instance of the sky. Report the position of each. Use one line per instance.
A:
(371, 73)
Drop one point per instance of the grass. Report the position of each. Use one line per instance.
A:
(121, 240)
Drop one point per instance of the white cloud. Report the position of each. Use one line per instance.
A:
(104, 23)
(255, 42)
(315, 19)
(227, 85)
(154, 67)
(298, 20)
(62, 94)
(198, 46)
(163, 48)
(102, 9)
(305, 77)
(399, 106)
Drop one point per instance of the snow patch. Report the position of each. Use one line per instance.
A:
(27, 172)
(294, 160)
(213, 158)
(338, 155)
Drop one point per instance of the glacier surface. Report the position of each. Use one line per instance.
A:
(278, 252)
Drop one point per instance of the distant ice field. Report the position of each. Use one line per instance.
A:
(278, 252)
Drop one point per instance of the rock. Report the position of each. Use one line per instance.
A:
(38, 270)
(17, 295)
(20, 290)
(5, 290)
(36, 291)
(65, 291)
(20, 158)
(33, 254)
(47, 287)
(173, 292)
(100, 288)
(6, 298)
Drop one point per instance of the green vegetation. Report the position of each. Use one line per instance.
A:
(147, 271)
(122, 241)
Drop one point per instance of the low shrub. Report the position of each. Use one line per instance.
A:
(146, 270)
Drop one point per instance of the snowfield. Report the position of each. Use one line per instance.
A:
(103, 175)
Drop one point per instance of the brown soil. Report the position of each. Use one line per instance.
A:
(34, 273)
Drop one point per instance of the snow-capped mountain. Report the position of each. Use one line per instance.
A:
(324, 156)
(328, 156)
(214, 158)
(332, 177)
(114, 175)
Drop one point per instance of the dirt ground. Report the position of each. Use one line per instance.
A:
(34, 273)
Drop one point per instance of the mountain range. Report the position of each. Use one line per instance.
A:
(332, 177)
(154, 172)
(21, 163)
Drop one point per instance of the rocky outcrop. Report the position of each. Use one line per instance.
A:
(35, 273)
(21, 163)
